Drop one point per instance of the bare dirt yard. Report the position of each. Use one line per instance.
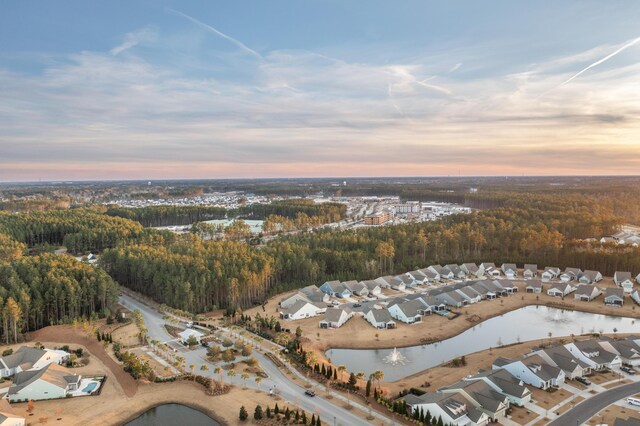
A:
(72, 336)
(611, 413)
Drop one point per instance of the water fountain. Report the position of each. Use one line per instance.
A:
(395, 358)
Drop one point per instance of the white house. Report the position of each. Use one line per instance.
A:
(473, 269)
(550, 273)
(482, 396)
(533, 286)
(638, 278)
(560, 357)
(453, 409)
(624, 280)
(590, 277)
(570, 274)
(335, 288)
(635, 295)
(28, 358)
(356, 288)
(594, 355)
(614, 297)
(302, 309)
(373, 287)
(186, 334)
(503, 382)
(530, 270)
(458, 272)
(387, 281)
(627, 349)
(587, 292)
(532, 370)
(50, 382)
(510, 270)
(379, 318)
(490, 269)
(409, 312)
(335, 318)
(561, 289)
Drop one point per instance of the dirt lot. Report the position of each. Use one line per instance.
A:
(609, 415)
(520, 416)
(72, 336)
(358, 334)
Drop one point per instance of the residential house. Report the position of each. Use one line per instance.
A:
(614, 297)
(624, 280)
(533, 286)
(635, 295)
(406, 280)
(457, 271)
(550, 273)
(469, 294)
(532, 370)
(418, 276)
(308, 294)
(638, 278)
(409, 312)
(50, 382)
(627, 349)
(28, 358)
(491, 269)
(356, 288)
(590, 277)
(431, 275)
(188, 333)
(442, 271)
(302, 309)
(473, 270)
(561, 289)
(8, 417)
(570, 274)
(509, 286)
(559, 356)
(379, 318)
(449, 297)
(530, 270)
(587, 292)
(453, 409)
(335, 317)
(484, 292)
(510, 270)
(390, 282)
(482, 396)
(335, 288)
(433, 303)
(493, 286)
(373, 287)
(503, 382)
(592, 353)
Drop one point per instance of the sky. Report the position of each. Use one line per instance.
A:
(141, 89)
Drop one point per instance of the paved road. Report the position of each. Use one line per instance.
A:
(590, 407)
(286, 389)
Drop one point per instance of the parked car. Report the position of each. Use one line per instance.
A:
(356, 305)
(189, 324)
(205, 344)
(335, 303)
(583, 380)
(628, 370)
(309, 392)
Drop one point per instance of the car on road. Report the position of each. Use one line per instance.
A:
(628, 370)
(309, 392)
(357, 305)
(205, 344)
(335, 303)
(583, 380)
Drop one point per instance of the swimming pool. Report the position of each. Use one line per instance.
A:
(90, 387)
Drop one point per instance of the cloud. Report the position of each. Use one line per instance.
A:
(209, 28)
(90, 114)
(144, 35)
(456, 67)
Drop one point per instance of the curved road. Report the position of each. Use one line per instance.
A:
(330, 413)
(590, 407)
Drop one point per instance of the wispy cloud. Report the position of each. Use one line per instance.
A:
(219, 33)
(598, 62)
(133, 39)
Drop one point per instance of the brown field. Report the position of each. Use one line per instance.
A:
(520, 416)
(609, 415)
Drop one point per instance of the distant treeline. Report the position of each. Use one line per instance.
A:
(155, 216)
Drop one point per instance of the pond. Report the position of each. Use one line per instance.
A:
(528, 323)
(171, 415)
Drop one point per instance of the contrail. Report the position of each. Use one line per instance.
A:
(238, 43)
(606, 58)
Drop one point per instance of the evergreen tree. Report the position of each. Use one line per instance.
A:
(313, 419)
(304, 418)
(367, 391)
(440, 422)
(352, 380)
(243, 414)
(335, 374)
(268, 411)
(276, 410)
(257, 414)
(323, 371)
(318, 422)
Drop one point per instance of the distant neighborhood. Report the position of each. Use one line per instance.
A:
(436, 289)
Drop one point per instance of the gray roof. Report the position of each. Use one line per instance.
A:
(631, 421)
(614, 293)
(534, 283)
(381, 315)
(531, 267)
(25, 356)
(333, 315)
(509, 266)
(481, 392)
(52, 373)
(370, 284)
(410, 308)
(564, 359)
(586, 290)
(506, 382)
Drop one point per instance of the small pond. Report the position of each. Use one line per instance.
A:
(528, 323)
(171, 415)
